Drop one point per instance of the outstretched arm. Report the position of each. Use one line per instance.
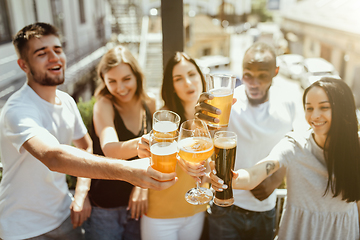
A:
(76, 162)
(267, 187)
(246, 179)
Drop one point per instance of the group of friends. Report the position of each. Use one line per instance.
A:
(315, 144)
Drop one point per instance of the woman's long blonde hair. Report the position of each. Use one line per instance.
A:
(113, 58)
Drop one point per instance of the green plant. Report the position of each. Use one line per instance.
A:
(259, 8)
(71, 181)
(86, 111)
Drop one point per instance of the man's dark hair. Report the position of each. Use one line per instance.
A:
(35, 30)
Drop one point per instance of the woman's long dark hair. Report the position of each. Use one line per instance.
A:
(171, 99)
(342, 149)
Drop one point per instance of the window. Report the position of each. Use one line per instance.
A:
(5, 34)
(82, 11)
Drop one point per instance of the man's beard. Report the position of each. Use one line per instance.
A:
(45, 80)
(255, 102)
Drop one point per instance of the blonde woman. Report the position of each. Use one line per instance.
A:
(122, 114)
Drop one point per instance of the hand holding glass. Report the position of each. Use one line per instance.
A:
(195, 145)
(222, 87)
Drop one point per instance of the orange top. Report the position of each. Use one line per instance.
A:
(171, 203)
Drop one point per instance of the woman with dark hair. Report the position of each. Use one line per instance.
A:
(122, 114)
(322, 167)
(182, 102)
(169, 216)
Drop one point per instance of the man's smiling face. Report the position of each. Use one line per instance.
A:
(46, 61)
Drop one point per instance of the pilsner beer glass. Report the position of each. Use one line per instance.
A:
(225, 153)
(195, 145)
(165, 123)
(222, 87)
(163, 152)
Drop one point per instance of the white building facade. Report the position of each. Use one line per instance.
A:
(84, 26)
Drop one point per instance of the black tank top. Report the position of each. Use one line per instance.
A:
(114, 193)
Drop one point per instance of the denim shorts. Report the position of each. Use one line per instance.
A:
(111, 224)
(233, 222)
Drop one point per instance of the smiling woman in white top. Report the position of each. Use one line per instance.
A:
(322, 167)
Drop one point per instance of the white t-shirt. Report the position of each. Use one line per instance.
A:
(259, 128)
(33, 199)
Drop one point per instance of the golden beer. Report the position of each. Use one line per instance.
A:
(163, 156)
(222, 100)
(165, 129)
(195, 149)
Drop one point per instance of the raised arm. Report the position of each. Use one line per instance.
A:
(76, 162)
(246, 179)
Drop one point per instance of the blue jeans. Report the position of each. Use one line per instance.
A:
(232, 222)
(111, 224)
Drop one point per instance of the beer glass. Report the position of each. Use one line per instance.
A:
(195, 145)
(222, 87)
(165, 123)
(163, 152)
(225, 153)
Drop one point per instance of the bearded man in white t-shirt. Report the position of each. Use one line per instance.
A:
(261, 116)
(38, 124)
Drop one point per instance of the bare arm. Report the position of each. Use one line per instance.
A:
(73, 161)
(246, 179)
(103, 116)
(81, 207)
(267, 187)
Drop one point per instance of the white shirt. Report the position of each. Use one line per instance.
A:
(259, 128)
(33, 199)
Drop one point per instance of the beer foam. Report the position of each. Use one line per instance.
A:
(164, 148)
(195, 144)
(165, 126)
(221, 92)
(225, 143)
